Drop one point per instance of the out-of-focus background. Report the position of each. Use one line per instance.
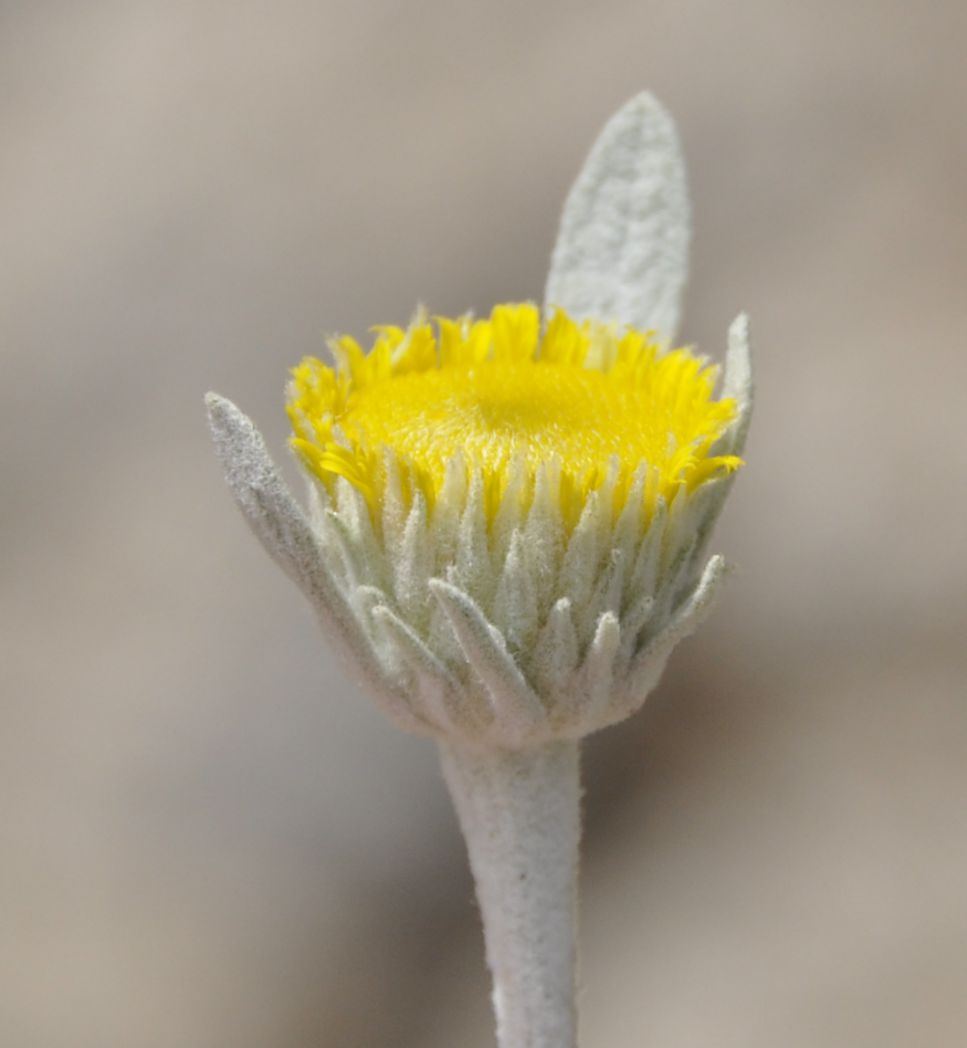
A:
(209, 838)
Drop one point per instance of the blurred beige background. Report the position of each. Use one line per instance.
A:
(209, 839)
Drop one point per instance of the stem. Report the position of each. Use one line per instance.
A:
(520, 815)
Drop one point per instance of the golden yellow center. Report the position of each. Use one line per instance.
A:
(499, 392)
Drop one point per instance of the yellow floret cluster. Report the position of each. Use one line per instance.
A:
(504, 396)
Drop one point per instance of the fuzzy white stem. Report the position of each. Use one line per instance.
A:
(520, 815)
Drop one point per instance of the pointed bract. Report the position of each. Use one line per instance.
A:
(622, 248)
(285, 533)
(517, 709)
(738, 381)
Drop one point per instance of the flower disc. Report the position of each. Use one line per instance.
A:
(501, 396)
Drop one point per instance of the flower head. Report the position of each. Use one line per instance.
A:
(509, 515)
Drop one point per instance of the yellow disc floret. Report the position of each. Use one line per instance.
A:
(500, 395)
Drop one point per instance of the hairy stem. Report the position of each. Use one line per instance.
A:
(520, 815)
